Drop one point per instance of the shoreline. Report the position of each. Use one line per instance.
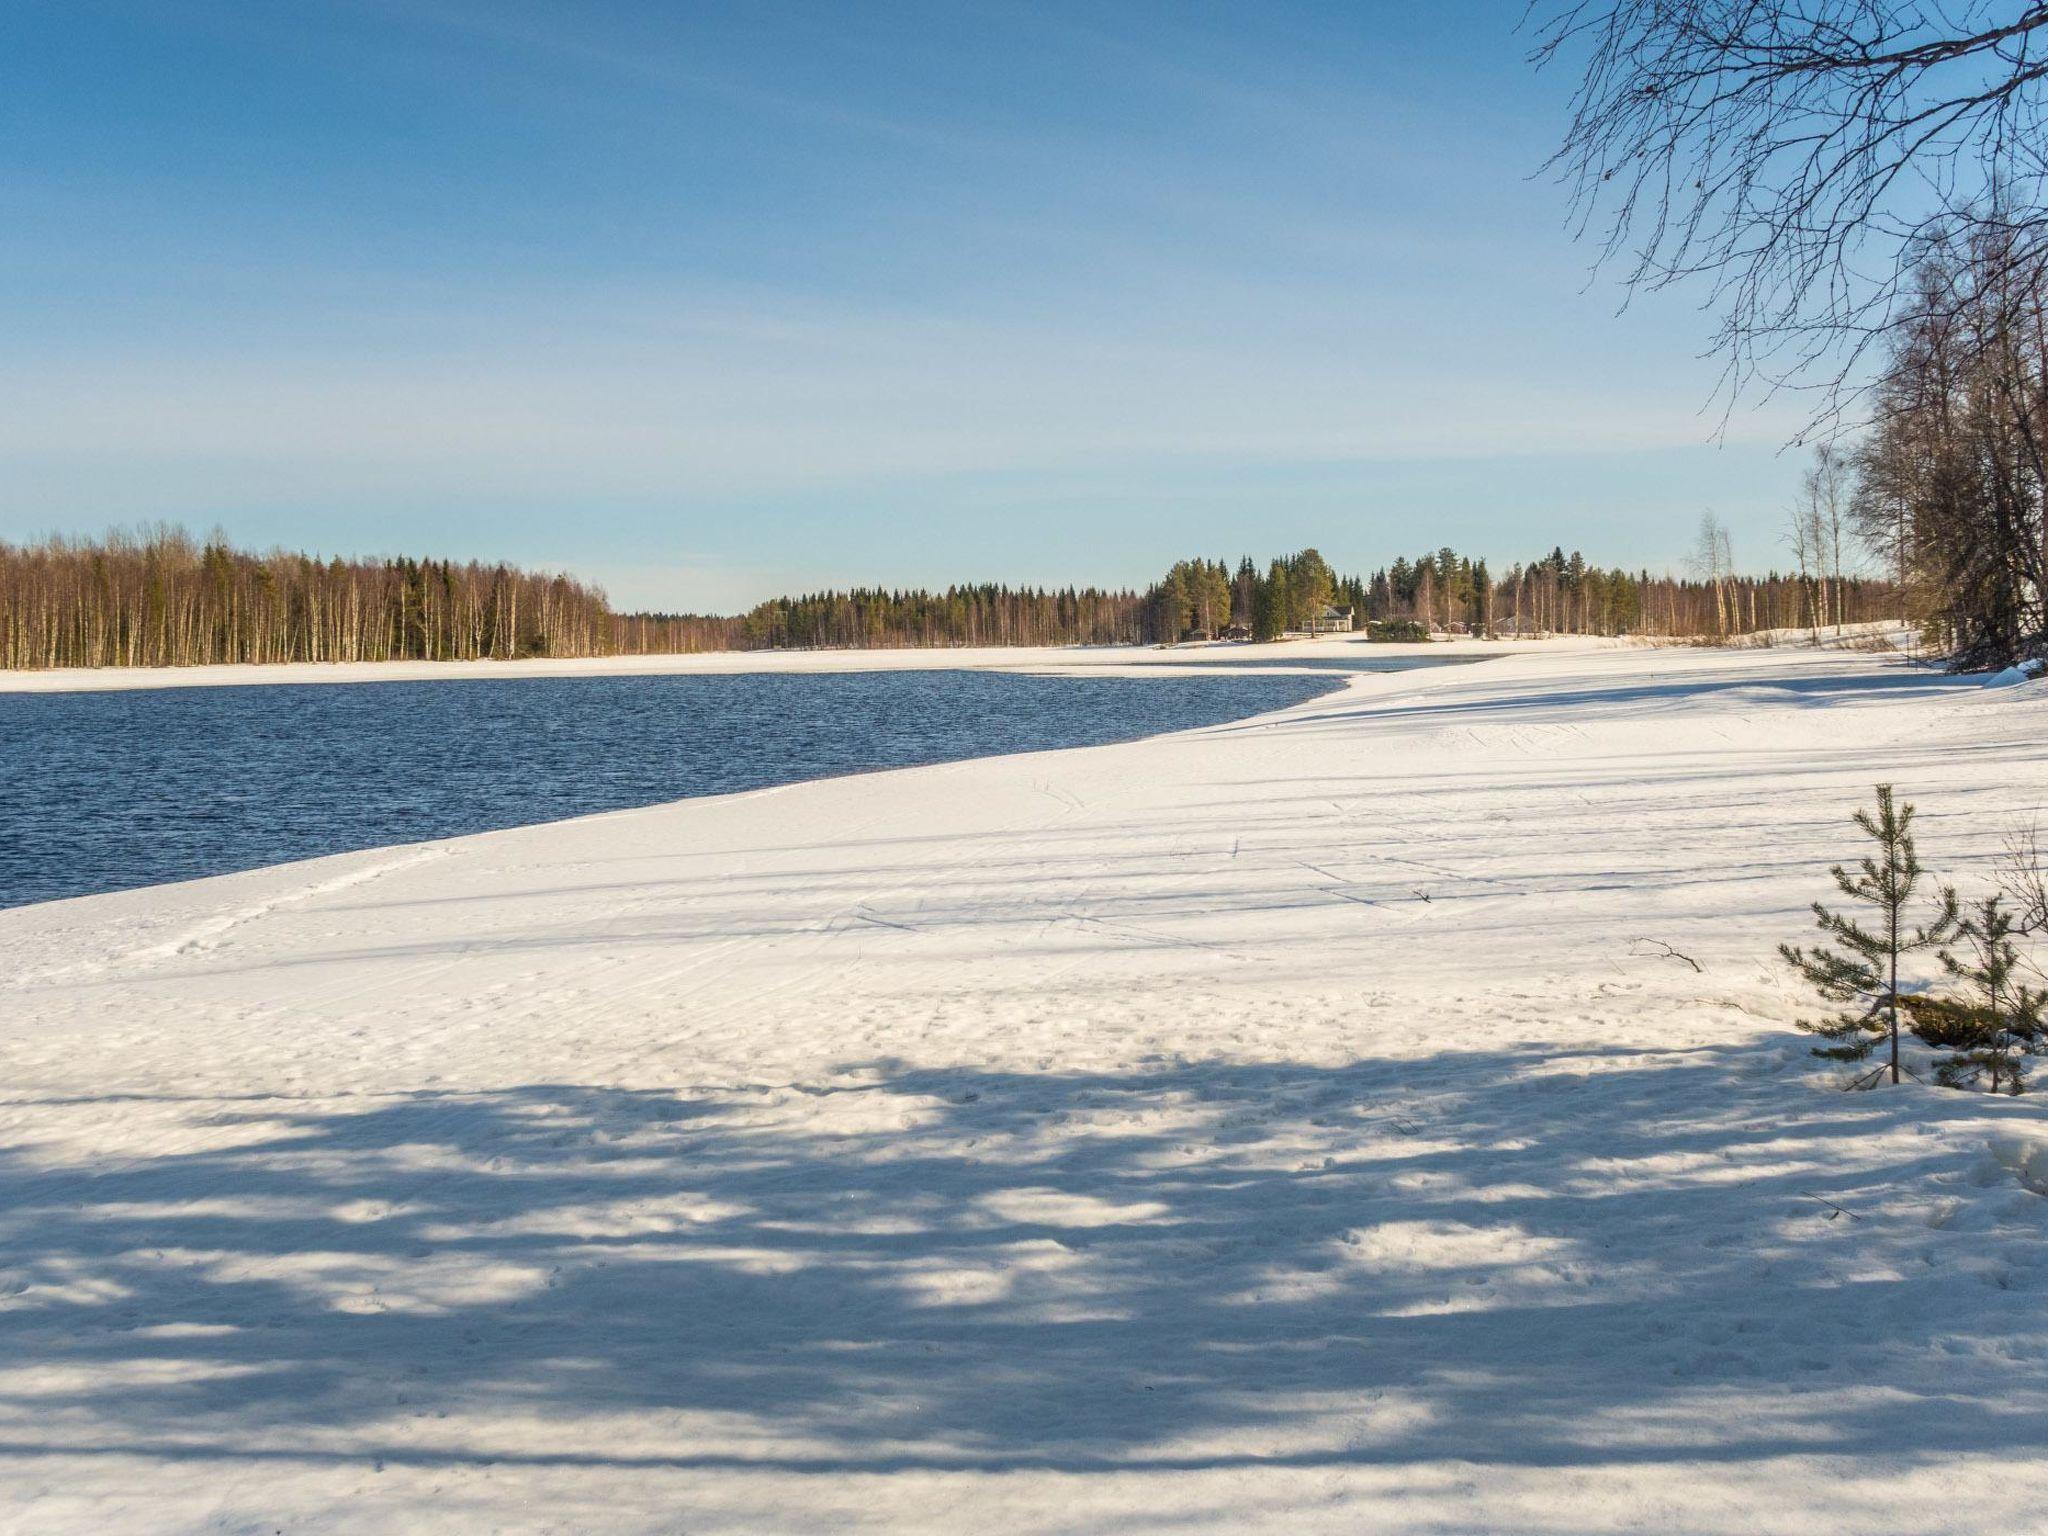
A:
(1103, 660)
(1330, 683)
(1237, 1126)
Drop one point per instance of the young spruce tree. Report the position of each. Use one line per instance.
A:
(1861, 968)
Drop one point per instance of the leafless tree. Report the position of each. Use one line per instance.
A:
(1954, 472)
(1889, 471)
(1802, 156)
(1829, 491)
(2023, 877)
(1713, 562)
(1805, 538)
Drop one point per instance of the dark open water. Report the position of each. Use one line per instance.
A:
(104, 791)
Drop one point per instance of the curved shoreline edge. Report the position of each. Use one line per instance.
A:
(1105, 660)
(1307, 685)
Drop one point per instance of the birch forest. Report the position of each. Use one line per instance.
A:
(162, 598)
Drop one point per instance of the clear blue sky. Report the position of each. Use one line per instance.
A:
(710, 300)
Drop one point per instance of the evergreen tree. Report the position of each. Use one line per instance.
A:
(1242, 591)
(1999, 1020)
(1861, 968)
(1380, 604)
(1310, 586)
(1212, 597)
(1401, 583)
(1450, 571)
(1270, 604)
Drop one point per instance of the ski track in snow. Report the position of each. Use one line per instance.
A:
(1278, 1127)
(208, 933)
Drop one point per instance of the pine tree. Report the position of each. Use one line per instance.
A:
(1310, 586)
(1861, 969)
(1999, 1020)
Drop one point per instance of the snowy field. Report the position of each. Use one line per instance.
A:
(1291, 1126)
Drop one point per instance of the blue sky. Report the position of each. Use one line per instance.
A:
(708, 301)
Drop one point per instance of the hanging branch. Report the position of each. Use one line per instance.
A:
(1799, 156)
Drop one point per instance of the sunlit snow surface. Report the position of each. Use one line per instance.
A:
(1293, 1126)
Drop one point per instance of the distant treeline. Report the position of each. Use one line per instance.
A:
(1562, 594)
(162, 598)
(972, 615)
(1557, 593)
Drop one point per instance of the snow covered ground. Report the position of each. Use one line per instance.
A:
(1291, 1126)
(1106, 660)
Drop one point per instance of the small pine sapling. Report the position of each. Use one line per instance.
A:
(2001, 1020)
(1861, 968)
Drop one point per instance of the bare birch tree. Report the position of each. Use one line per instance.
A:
(1713, 561)
(1801, 156)
(1804, 537)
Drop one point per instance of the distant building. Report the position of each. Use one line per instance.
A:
(1332, 621)
(1235, 632)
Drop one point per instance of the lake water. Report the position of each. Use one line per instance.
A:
(106, 791)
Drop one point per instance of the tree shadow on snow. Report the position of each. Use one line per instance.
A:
(1581, 704)
(1510, 1258)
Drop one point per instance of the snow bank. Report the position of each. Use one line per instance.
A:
(2022, 672)
(1316, 1123)
(2025, 1157)
(1116, 660)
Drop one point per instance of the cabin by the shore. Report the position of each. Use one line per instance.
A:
(1332, 621)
